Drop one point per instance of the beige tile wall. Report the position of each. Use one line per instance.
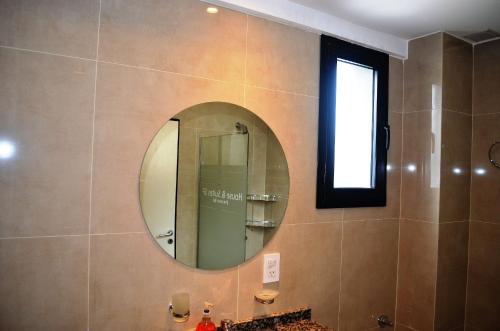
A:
(82, 101)
(419, 230)
(483, 290)
(437, 126)
(455, 184)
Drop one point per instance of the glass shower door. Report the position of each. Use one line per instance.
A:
(222, 200)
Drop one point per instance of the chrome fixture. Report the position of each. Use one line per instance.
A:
(169, 233)
(226, 325)
(383, 321)
(490, 154)
(262, 197)
(261, 223)
(242, 128)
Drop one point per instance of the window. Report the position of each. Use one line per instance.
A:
(354, 135)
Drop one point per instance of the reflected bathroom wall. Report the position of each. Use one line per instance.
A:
(209, 134)
(222, 200)
(158, 184)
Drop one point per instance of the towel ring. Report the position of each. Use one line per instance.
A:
(490, 155)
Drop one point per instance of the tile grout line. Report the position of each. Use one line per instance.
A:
(238, 293)
(340, 268)
(245, 60)
(92, 164)
(244, 105)
(470, 188)
(486, 222)
(73, 235)
(47, 53)
(139, 67)
(48, 236)
(400, 197)
(207, 78)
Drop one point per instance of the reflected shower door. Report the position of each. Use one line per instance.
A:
(222, 200)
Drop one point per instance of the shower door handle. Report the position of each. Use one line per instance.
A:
(387, 129)
(169, 233)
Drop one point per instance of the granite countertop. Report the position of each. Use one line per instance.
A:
(303, 325)
(296, 320)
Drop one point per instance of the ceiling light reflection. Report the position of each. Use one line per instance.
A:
(480, 171)
(411, 167)
(7, 149)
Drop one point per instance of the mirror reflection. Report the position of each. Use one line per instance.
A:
(214, 185)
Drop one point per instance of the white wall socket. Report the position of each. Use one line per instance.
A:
(271, 268)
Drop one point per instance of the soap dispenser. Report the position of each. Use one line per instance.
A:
(206, 324)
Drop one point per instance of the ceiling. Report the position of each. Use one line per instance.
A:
(412, 18)
(386, 25)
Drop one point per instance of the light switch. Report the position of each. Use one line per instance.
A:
(271, 268)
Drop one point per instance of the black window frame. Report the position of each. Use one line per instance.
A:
(326, 195)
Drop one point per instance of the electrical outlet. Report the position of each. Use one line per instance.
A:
(271, 268)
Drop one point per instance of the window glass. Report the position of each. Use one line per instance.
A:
(354, 118)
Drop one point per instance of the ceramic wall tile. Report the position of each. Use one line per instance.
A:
(369, 272)
(454, 195)
(451, 275)
(46, 113)
(457, 74)
(417, 269)
(485, 190)
(487, 78)
(421, 165)
(483, 289)
(423, 70)
(177, 36)
(56, 26)
(281, 57)
(44, 283)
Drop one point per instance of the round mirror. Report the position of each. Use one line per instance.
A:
(214, 186)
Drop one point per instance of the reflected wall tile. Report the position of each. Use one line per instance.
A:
(132, 282)
(451, 275)
(423, 71)
(369, 273)
(56, 26)
(393, 179)
(309, 273)
(487, 78)
(421, 166)
(44, 283)
(457, 74)
(46, 110)
(455, 167)
(485, 190)
(132, 105)
(396, 77)
(174, 36)
(282, 57)
(417, 274)
(483, 291)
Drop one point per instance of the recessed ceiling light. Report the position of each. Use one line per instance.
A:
(411, 167)
(212, 10)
